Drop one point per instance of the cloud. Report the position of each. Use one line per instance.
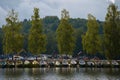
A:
(3, 14)
(76, 8)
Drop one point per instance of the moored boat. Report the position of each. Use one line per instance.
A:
(82, 63)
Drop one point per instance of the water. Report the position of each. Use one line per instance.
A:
(60, 74)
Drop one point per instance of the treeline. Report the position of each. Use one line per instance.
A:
(52, 35)
(50, 25)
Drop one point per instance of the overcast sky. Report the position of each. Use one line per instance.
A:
(76, 8)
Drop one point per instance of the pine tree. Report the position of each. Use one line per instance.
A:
(13, 38)
(91, 39)
(65, 35)
(112, 32)
(36, 40)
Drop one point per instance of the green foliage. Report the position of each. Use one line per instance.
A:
(51, 43)
(91, 39)
(77, 22)
(36, 39)
(1, 39)
(26, 26)
(51, 22)
(65, 35)
(49, 26)
(112, 32)
(78, 33)
(12, 39)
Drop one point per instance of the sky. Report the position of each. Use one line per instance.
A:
(76, 8)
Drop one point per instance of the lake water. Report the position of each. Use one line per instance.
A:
(60, 74)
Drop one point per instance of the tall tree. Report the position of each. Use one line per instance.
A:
(91, 39)
(13, 38)
(1, 39)
(112, 32)
(36, 39)
(65, 35)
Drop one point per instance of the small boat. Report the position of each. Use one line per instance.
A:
(57, 63)
(98, 64)
(115, 63)
(73, 63)
(3, 64)
(26, 62)
(43, 63)
(10, 64)
(19, 62)
(90, 63)
(35, 62)
(51, 63)
(82, 63)
(65, 63)
(105, 63)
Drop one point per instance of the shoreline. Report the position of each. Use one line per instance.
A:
(59, 63)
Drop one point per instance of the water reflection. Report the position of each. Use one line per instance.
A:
(112, 73)
(60, 74)
(35, 73)
(66, 72)
(13, 73)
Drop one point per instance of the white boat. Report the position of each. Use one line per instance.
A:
(57, 63)
(35, 62)
(19, 62)
(73, 62)
(27, 62)
(65, 63)
(51, 62)
(43, 63)
(82, 62)
(115, 63)
(90, 63)
(105, 62)
(3, 63)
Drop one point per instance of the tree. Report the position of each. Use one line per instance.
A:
(1, 39)
(13, 38)
(91, 39)
(51, 43)
(78, 33)
(36, 39)
(65, 35)
(112, 32)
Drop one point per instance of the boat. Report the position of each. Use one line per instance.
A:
(115, 63)
(43, 63)
(35, 62)
(73, 63)
(82, 63)
(26, 62)
(57, 63)
(51, 63)
(105, 63)
(90, 63)
(65, 63)
(3, 64)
